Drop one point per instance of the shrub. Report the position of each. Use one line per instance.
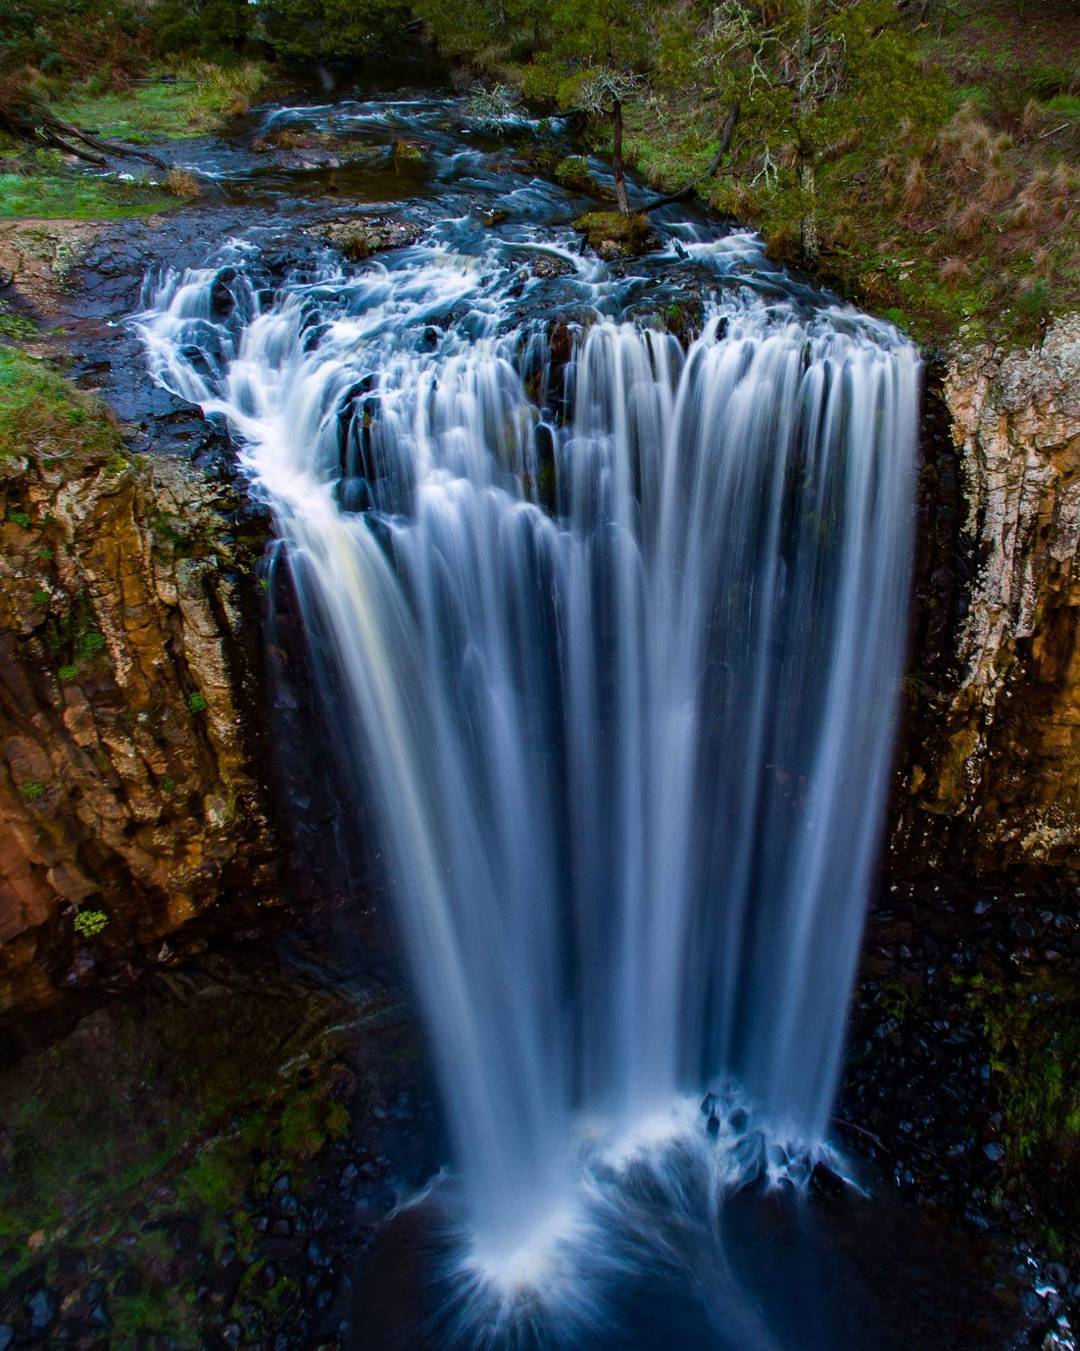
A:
(89, 923)
(88, 645)
(914, 187)
(573, 173)
(32, 790)
(952, 272)
(183, 184)
(197, 702)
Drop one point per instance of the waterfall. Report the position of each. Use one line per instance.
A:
(616, 630)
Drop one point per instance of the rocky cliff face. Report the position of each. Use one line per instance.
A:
(129, 797)
(990, 766)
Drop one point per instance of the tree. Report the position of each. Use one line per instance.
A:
(596, 57)
(814, 79)
(330, 29)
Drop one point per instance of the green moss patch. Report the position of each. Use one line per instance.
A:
(1031, 1021)
(44, 415)
(611, 232)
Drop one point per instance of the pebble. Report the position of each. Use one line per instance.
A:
(41, 1306)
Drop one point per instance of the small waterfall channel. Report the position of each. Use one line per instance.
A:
(615, 626)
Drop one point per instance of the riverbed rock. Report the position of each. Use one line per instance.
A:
(357, 237)
(614, 235)
(542, 264)
(994, 774)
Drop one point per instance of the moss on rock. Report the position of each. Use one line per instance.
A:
(614, 235)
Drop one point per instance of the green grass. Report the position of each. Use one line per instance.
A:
(200, 98)
(15, 327)
(74, 196)
(1064, 105)
(43, 414)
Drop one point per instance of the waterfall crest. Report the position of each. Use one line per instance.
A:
(616, 633)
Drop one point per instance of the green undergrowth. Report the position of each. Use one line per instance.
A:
(181, 1106)
(956, 215)
(1031, 1021)
(44, 415)
(195, 99)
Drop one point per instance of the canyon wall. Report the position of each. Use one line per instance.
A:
(130, 796)
(989, 772)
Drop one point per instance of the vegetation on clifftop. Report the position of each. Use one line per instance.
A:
(923, 160)
(44, 414)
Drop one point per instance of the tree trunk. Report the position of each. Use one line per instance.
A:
(622, 201)
(808, 222)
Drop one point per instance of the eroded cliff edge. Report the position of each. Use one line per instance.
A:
(989, 773)
(130, 800)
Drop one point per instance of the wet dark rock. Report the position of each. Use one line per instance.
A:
(551, 265)
(128, 1283)
(994, 1152)
(7, 1336)
(41, 1308)
(317, 1255)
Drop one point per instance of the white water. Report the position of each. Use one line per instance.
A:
(616, 650)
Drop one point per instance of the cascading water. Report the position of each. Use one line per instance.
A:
(616, 630)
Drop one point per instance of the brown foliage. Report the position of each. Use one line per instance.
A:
(181, 183)
(970, 222)
(998, 185)
(915, 187)
(953, 271)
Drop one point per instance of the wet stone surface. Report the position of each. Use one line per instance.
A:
(966, 1002)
